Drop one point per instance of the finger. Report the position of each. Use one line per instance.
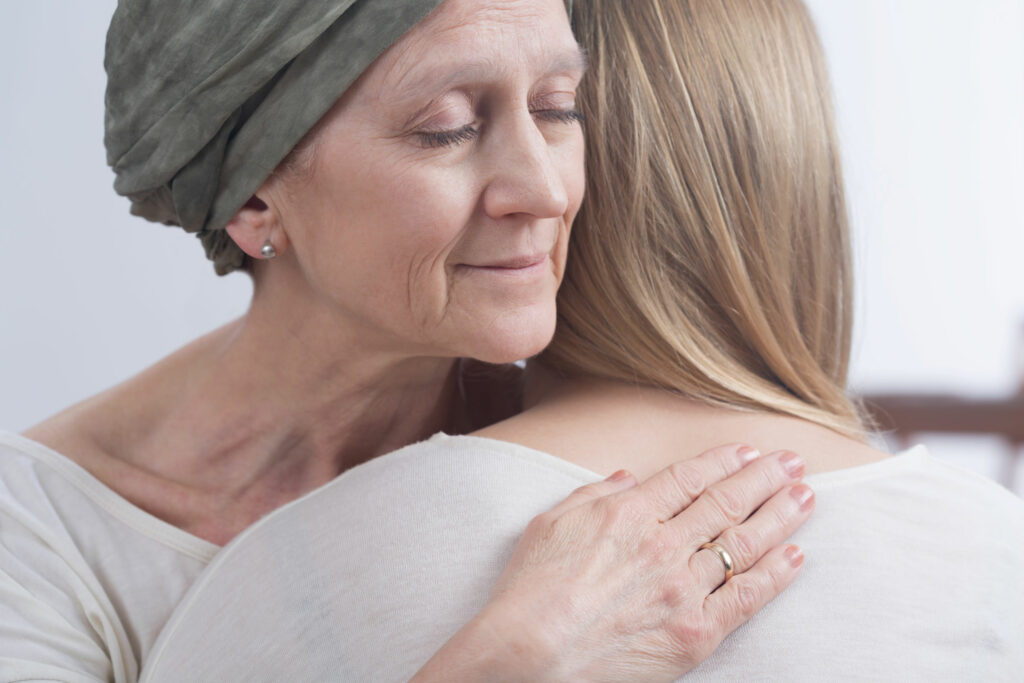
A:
(745, 594)
(747, 543)
(676, 487)
(729, 502)
(615, 483)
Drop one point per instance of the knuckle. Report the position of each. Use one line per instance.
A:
(728, 502)
(673, 594)
(657, 549)
(617, 510)
(742, 544)
(544, 519)
(541, 523)
(688, 479)
(747, 598)
(716, 457)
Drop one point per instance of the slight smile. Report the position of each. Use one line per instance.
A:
(517, 265)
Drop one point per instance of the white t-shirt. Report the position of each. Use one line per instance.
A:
(87, 579)
(913, 572)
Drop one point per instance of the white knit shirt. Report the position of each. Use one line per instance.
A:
(87, 579)
(913, 573)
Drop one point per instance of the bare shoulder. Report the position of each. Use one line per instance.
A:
(566, 436)
(108, 424)
(74, 432)
(828, 451)
(598, 435)
(644, 433)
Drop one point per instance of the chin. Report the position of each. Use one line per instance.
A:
(514, 336)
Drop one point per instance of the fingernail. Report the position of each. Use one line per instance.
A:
(803, 495)
(794, 556)
(619, 476)
(793, 464)
(747, 454)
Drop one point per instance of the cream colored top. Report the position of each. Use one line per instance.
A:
(87, 579)
(913, 573)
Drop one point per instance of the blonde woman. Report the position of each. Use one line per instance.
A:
(707, 296)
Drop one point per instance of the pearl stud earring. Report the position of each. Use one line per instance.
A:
(267, 251)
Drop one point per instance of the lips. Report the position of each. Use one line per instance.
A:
(519, 262)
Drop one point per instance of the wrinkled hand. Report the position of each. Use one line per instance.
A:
(611, 584)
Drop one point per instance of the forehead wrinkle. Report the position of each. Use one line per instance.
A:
(479, 19)
(490, 14)
(481, 70)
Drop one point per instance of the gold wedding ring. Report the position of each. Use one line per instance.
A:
(723, 555)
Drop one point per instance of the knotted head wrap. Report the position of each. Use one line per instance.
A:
(206, 97)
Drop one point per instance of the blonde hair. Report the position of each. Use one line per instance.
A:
(711, 255)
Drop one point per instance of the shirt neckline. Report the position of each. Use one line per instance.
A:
(108, 499)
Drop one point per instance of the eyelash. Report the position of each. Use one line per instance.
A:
(446, 138)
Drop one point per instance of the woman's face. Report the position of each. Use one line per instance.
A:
(435, 213)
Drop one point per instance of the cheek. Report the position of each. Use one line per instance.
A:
(380, 205)
(394, 231)
(574, 180)
(420, 219)
(574, 175)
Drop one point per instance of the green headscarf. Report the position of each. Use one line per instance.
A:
(206, 97)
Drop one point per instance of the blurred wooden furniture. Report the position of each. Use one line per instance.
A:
(908, 414)
(904, 416)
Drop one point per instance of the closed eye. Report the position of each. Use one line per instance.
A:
(447, 138)
(560, 115)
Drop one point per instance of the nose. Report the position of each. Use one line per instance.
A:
(526, 177)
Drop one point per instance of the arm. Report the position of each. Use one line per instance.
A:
(56, 624)
(612, 584)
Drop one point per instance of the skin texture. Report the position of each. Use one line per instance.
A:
(396, 253)
(591, 421)
(434, 215)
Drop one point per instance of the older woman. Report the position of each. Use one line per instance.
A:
(707, 294)
(421, 217)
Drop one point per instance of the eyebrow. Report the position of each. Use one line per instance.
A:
(572, 60)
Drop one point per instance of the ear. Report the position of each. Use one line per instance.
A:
(254, 225)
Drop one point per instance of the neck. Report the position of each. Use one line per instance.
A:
(606, 425)
(253, 409)
(260, 412)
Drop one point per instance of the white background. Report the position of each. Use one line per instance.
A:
(930, 98)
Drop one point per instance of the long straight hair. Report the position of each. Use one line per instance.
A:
(711, 256)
